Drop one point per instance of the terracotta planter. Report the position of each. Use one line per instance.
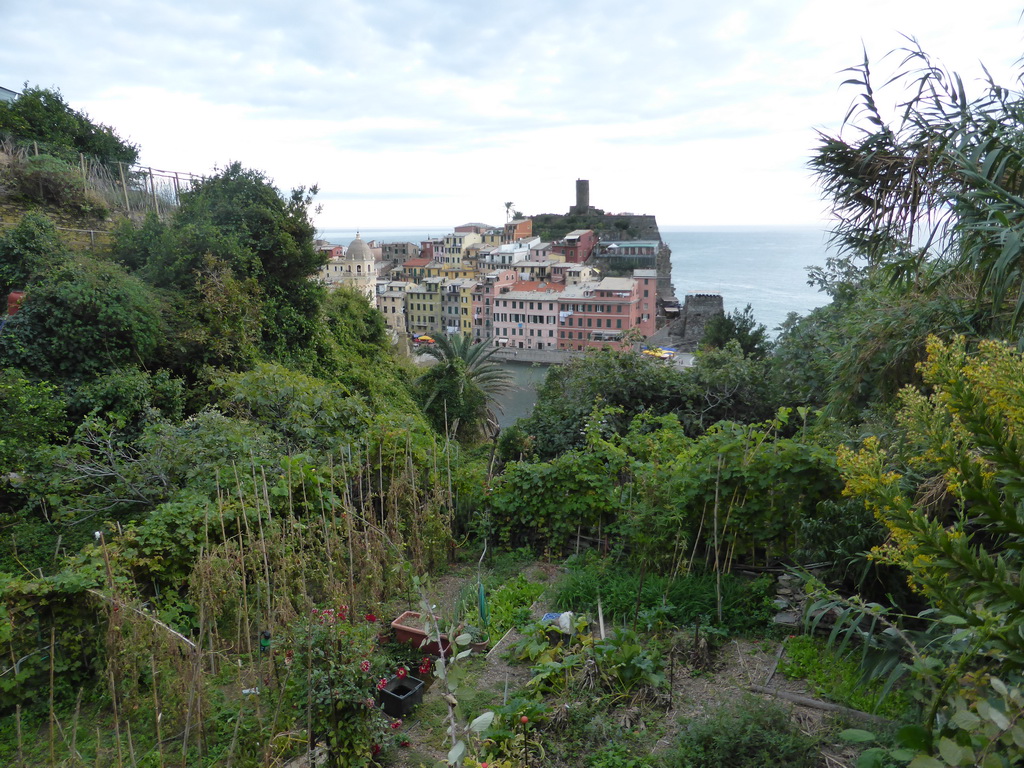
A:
(409, 630)
(14, 300)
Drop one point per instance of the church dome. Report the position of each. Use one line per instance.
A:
(358, 251)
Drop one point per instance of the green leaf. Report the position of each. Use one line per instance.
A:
(966, 720)
(456, 753)
(914, 737)
(993, 715)
(953, 753)
(482, 722)
(925, 761)
(856, 735)
(872, 758)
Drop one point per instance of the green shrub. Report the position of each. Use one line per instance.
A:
(747, 734)
(52, 181)
(510, 603)
(616, 756)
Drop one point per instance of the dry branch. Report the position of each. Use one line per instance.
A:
(827, 706)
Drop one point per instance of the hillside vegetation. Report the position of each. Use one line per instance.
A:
(215, 479)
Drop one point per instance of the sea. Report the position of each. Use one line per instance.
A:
(765, 267)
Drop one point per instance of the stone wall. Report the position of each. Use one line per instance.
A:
(78, 232)
(685, 334)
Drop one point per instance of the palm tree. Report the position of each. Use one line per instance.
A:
(459, 390)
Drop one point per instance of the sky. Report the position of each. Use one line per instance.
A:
(411, 113)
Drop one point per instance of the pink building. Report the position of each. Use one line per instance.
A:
(488, 288)
(594, 315)
(526, 317)
(432, 247)
(577, 246)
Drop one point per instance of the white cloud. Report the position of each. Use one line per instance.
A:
(410, 112)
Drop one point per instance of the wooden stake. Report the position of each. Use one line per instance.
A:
(74, 724)
(124, 187)
(53, 760)
(117, 719)
(157, 714)
(718, 572)
(21, 747)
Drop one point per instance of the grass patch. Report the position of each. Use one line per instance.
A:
(747, 734)
(839, 677)
(746, 605)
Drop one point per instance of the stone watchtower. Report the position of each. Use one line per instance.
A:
(698, 309)
(582, 197)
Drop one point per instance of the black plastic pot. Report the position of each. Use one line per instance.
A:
(400, 695)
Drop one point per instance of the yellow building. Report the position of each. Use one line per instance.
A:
(423, 307)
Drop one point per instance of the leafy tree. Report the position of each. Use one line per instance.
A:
(130, 397)
(741, 327)
(457, 391)
(42, 115)
(950, 497)
(306, 411)
(34, 415)
(27, 251)
(236, 246)
(82, 318)
(931, 199)
(722, 385)
(357, 353)
(624, 380)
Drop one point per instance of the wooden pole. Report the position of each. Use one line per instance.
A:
(124, 187)
(152, 189)
(157, 714)
(53, 760)
(21, 745)
(117, 719)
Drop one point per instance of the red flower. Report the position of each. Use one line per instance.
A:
(424, 669)
(401, 672)
(403, 743)
(383, 682)
(396, 724)
(370, 703)
(365, 665)
(371, 618)
(375, 749)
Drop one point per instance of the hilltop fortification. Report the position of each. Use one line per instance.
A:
(612, 228)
